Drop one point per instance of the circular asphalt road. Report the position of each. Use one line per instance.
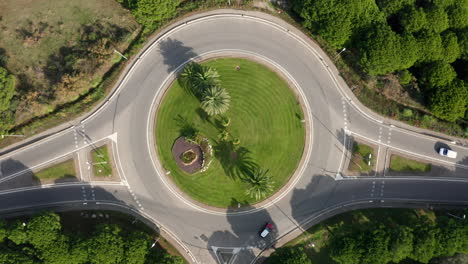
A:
(207, 234)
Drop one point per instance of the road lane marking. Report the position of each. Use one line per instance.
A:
(43, 164)
(413, 153)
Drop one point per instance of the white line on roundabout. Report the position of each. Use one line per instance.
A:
(297, 174)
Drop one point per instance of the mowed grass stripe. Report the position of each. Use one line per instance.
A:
(264, 115)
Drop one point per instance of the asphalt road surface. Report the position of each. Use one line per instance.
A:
(207, 234)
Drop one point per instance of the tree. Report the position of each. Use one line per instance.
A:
(106, 245)
(451, 50)
(336, 20)
(215, 100)
(17, 233)
(383, 51)
(7, 89)
(375, 246)
(452, 238)
(198, 78)
(463, 43)
(150, 13)
(405, 77)
(401, 244)
(43, 229)
(390, 7)
(289, 255)
(437, 19)
(3, 230)
(431, 46)
(458, 14)
(425, 242)
(136, 248)
(260, 183)
(437, 74)
(413, 19)
(10, 256)
(450, 102)
(346, 250)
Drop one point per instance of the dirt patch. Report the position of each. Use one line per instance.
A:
(180, 147)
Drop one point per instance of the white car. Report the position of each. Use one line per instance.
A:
(447, 153)
(266, 230)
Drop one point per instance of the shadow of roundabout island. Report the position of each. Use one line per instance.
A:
(242, 242)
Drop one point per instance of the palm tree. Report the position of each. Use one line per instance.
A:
(205, 77)
(198, 78)
(260, 183)
(215, 100)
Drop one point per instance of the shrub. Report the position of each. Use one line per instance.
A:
(405, 77)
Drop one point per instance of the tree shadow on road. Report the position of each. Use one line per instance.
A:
(244, 236)
(175, 53)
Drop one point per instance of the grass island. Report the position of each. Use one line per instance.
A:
(260, 133)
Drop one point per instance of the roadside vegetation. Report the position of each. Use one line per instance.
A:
(63, 61)
(58, 51)
(256, 148)
(404, 59)
(102, 166)
(59, 171)
(87, 237)
(402, 164)
(379, 236)
(362, 159)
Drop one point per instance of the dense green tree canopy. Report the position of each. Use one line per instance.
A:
(390, 7)
(106, 245)
(7, 89)
(347, 250)
(337, 20)
(150, 13)
(289, 255)
(450, 102)
(451, 50)
(463, 43)
(401, 244)
(437, 19)
(42, 240)
(383, 51)
(437, 74)
(413, 19)
(458, 14)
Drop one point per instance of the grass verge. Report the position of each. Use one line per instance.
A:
(62, 170)
(360, 158)
(102, 166)
(273, 136)
(401, 164)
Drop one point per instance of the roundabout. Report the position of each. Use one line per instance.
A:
(264, 131)
(202, 232)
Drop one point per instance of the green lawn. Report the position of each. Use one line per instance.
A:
(62, 170)
(102, 166)
(400, 164)
(360, 158)
(265, 116)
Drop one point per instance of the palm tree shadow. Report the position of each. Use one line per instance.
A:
(236, 161)
(175, 53)
(186, 128)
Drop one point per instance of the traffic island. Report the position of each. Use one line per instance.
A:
(262, 132)
(102, 164)
(362, 159)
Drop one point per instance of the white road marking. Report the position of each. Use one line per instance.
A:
(414, 153)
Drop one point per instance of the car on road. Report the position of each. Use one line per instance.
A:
(266, 230)
(447, 153)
